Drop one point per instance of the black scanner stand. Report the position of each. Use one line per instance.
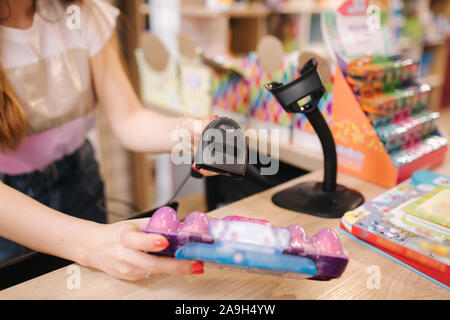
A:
(324, 199)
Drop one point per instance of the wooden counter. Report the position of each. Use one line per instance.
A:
(397, 282)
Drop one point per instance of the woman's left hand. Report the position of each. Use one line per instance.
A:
(121, 250)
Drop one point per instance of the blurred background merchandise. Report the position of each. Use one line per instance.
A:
(231, 31)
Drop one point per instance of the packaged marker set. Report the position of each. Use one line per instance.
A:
(373, 74)
(416, 151)
(245, 244)
(396, 106)
(407, 131)
(381, 123)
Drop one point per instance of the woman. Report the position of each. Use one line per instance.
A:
(52, 74)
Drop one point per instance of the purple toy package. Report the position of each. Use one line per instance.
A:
(253, 245)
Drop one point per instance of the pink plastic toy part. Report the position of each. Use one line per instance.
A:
(239, 218)
(299, 239)
(196, 222)
(327, 241)
(165, 222)
(324, 248)
(165, 219)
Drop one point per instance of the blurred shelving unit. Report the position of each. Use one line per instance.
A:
(431, 49)
(235, 30)
(142, 166)
(238, 28)
(114, 160)
(436, 73)
(440, 48)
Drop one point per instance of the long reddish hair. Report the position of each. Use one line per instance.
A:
(13, 119)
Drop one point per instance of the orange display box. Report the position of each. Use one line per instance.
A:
(360, 152)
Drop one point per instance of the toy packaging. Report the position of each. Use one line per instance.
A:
(372, 74)
(407, 131)
(195, 79)
(418, 150)
(401, 220)
(245, 244)
(265, 111)
(399, 115)
(231, 89)
(158, 74)
(195, 89)
(414, 100)
(238, 87)
(380, 119)
(398, 102)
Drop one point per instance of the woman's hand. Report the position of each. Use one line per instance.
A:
(120, 249)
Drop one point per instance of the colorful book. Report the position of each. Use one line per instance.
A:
(431, 212)
(380, 223)
(438, 277)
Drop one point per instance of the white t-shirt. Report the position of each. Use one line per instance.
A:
(48, 68)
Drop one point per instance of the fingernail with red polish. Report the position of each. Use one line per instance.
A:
(213, 118)
(161, 243)
(197, 268)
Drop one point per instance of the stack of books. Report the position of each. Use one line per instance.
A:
(410, 224)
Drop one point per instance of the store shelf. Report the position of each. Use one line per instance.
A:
(434, 80)
(426, 44)
(435, 43)
(254, 10)
(251, 10)
(303, 7)
(319, 48)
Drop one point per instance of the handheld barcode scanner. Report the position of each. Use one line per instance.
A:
(221, 149)
(324, 199)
